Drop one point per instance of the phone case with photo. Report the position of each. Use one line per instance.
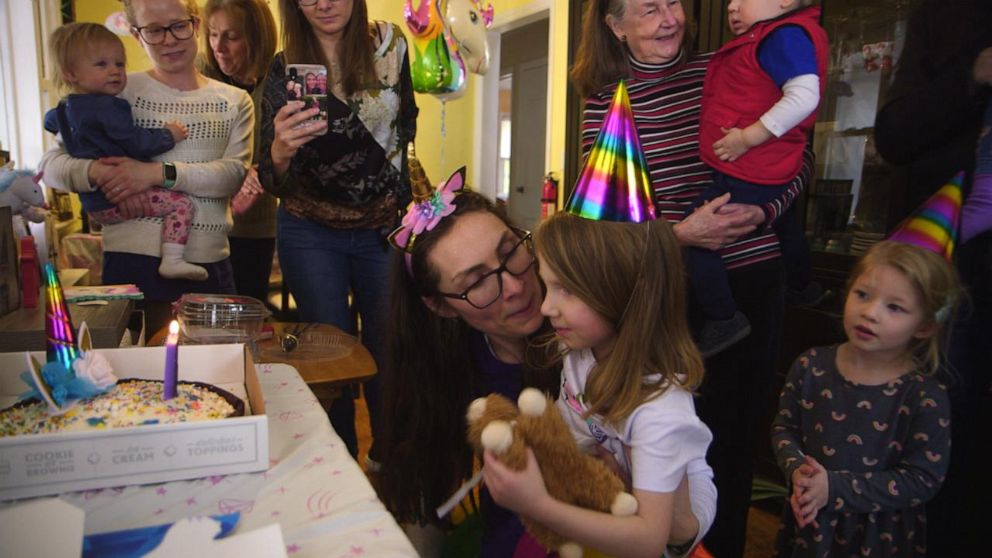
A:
(308, 83)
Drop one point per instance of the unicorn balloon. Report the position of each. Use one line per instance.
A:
(444, 46)
(467, 23)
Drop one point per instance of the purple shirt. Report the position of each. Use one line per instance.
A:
(502, 530)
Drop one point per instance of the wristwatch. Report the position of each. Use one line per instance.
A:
(169, 174)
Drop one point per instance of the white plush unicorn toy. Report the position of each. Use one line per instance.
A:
(20, 189)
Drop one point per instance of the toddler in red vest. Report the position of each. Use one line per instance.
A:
(760, 98)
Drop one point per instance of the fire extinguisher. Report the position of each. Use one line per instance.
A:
(549, 196)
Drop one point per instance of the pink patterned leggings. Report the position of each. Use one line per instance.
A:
(175, 208)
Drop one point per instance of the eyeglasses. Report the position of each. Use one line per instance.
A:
(155, 34)
(488, 288)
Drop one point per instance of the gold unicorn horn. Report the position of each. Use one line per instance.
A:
(420, 185)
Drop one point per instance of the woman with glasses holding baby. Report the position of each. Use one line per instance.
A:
(209, 166)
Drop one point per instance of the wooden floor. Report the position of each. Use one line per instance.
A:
(762, 524)
(761, 528)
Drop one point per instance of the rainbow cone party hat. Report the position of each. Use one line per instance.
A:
(614, 184)
(60, 344)
(934, 226)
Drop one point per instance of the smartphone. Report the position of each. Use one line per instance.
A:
(308, 83)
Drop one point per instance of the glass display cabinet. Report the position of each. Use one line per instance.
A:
(855, 197)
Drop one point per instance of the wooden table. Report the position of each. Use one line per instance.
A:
(325, 375)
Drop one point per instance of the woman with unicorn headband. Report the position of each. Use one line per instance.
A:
(467, 279)
(446, 349)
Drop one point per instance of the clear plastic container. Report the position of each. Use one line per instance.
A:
(210, 318)
(312, 343)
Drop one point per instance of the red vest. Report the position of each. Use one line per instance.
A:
(737, 91)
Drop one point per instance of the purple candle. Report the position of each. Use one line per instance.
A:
(171, 361)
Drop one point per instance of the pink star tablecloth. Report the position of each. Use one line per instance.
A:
(313, 488)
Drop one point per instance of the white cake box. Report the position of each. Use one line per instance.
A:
(33, 465)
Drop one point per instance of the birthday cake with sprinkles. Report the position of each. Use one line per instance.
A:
(76, 389)
(130, 402)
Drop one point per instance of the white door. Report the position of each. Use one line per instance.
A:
(528, 120)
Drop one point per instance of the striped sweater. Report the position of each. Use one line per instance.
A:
(666, 100)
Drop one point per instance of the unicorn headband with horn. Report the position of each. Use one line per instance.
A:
(428, 207)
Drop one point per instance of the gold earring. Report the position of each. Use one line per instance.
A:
(623, 38)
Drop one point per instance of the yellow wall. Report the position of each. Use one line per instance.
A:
(97, 11)
(441, 150)
(441, 146)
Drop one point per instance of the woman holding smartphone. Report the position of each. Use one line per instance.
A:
(343, 181)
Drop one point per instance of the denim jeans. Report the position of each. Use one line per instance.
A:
(706, 270)
(321, 266)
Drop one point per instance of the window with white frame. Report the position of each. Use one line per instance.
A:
(24, 90)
